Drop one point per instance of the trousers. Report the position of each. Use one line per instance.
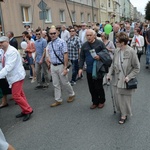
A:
(96, 89)
(20, 98)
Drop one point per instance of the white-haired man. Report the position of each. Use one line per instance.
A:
(65, 35)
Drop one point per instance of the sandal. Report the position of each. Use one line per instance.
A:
(122, 120)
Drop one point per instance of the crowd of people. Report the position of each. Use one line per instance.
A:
(50, 52)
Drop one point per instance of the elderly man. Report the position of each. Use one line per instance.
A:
(112, 35)
(64, 33)
(95, 85)
(15, 74)
(57, 52)
(12, 40)
(82, 33)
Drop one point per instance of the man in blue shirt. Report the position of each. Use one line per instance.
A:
(40, 45)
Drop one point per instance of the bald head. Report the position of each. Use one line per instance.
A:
(116, 28)
(53, 33)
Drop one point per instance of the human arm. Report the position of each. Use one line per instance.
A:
(44, 43)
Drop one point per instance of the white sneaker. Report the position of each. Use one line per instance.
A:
(33, 80)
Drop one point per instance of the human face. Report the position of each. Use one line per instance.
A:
(72, 32)
(83, 27)
(53, 34)
(118, 44)
(90, 36)
(4, 45)
(38, 35)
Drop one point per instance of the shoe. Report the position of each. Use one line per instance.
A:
(100, 105)
(70, 99)
(45, 86)
(72, 83)
(33, 80)
(20, 115)
(147, 67)
(30, 77)
(2, 106)
(93, 106)
(38, 87)
(56, 104)
(27, 116)
(122, 120)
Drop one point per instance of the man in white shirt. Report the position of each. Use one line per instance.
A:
(65, 35)
(82, 33)
(14, 72)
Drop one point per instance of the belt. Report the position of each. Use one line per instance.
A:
(57, 64)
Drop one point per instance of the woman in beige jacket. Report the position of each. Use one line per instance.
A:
(125, 66)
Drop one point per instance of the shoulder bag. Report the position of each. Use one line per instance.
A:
(69, 65)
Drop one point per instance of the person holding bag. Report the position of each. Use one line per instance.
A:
(125, 67)
(30, 49)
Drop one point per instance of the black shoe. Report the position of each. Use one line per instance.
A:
(45, 87)
(38, 87)
(27, 116)
(20, 115)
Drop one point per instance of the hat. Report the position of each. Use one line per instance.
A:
(4, 38)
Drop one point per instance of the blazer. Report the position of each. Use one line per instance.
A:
(13, 42)
(131, 66)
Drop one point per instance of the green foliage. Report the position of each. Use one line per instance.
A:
(147, 11)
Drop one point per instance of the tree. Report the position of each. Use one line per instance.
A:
(147, 11)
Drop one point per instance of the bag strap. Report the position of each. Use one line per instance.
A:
(56, 54)
(107, 43)
(121, 64)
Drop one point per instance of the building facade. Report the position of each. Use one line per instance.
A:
(56, 12)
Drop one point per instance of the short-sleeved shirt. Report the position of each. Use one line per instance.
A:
(3, 144)
(40, 45)
(60, 47)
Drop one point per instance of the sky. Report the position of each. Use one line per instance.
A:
(140, 4)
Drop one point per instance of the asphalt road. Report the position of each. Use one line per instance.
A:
(74, 126)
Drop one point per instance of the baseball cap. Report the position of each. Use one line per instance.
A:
(4, 38)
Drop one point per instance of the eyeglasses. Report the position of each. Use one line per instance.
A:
(52, 33)
(38, 33)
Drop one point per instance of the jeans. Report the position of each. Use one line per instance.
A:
(148, 55)
(75, 68)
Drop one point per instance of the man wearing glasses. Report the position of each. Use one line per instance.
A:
(74, 46)
(40, 45)
(58, 57)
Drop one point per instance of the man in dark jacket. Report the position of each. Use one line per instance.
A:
(12, 41)
(95, 85)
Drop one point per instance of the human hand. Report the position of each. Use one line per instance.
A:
(80, 72)
(126, 79)
(97, 57)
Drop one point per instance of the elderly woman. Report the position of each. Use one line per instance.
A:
(125, 66)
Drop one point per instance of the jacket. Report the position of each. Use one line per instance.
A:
(130, 65)
(13, 69)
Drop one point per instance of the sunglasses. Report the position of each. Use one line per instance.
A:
(52, 33)
(38, 33)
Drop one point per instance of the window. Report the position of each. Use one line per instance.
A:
(94, 3)
(73, 16)
(95, 19)
(108, 3)
(49, 15)
(82, 17)
(26, 14)
(89, 17)
(62, 16)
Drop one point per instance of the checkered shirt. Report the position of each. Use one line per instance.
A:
(73, 44)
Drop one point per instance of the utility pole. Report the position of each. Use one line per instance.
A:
(68, 11)
(1, 20)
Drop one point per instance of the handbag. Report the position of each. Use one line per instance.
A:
(69, 65)
(131, 84)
